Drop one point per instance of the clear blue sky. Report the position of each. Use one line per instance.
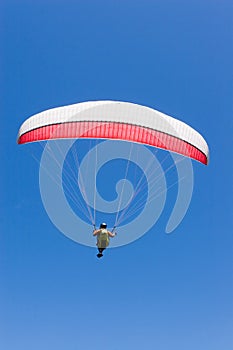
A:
(163, 291)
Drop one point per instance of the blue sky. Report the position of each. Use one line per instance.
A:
(163, 291)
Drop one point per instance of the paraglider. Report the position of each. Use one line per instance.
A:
(114, 120)
(102, 238)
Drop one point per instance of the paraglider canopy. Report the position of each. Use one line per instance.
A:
(116, 120)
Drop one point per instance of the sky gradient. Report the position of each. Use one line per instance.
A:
(162, 291)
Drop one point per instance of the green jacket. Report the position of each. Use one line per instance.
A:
(102, 238)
